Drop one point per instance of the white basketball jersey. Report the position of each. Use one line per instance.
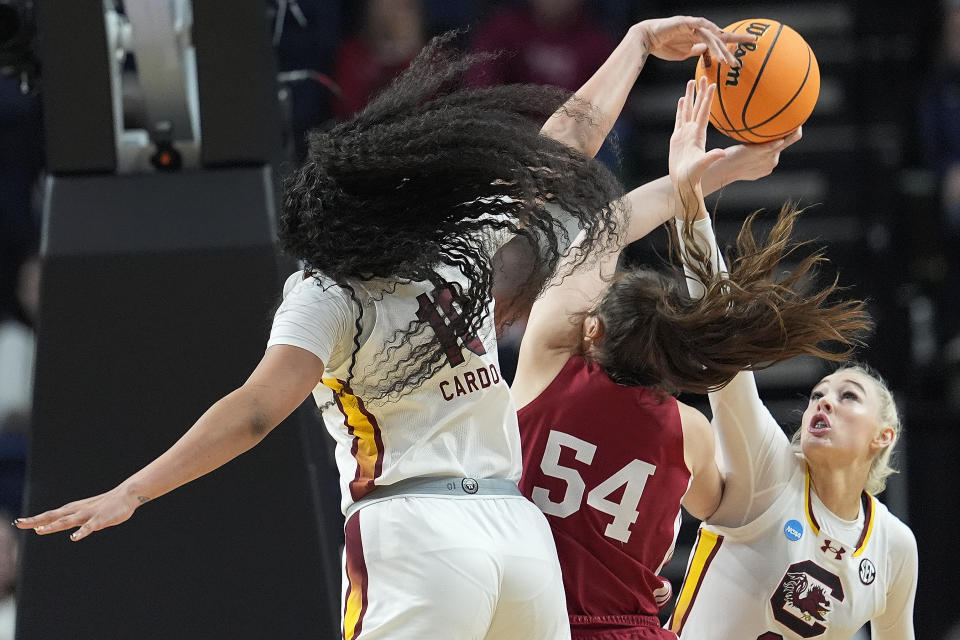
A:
(461, 421)
(797, 571)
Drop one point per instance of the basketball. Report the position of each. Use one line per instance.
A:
(772, 92)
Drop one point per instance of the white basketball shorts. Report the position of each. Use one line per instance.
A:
(420, 567)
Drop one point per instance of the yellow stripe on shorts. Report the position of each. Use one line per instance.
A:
(708, 543)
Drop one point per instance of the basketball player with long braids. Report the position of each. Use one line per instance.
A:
(798, 546)
(396, 214)
(609, 454)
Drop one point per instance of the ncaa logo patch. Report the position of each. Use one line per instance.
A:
(470, 485)
(793, 530)
(868, 572)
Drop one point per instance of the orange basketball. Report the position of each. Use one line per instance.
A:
(774, 90)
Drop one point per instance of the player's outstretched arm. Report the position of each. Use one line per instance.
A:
(754, 448)
(689, 159)
(699, 453)
(752, 443)
(584, 121)
(282, 380)
(553, 331)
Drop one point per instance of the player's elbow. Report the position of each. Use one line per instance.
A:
(246, 408)
(260, 424)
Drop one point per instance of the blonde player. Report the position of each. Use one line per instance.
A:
(397, 213)
(799, 547)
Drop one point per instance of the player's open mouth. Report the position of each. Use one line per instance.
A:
(819, 424)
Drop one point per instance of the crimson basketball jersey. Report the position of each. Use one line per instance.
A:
(605, 463)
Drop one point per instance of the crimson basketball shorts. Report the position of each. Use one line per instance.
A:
(467, 567)
(618, 627)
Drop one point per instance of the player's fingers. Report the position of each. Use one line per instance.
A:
(793, 137)
(41, 519)
(717, 47)
(705, 25)
(695, 101)
(708, 159)
(54, 526)
(703, 109)
(679, 121)
(689, 97)
(84, 531)
(710, 40)
(61, 524)
(727, 54)
(726, 36)
(768, 147)
(91, 525)
(698, 49)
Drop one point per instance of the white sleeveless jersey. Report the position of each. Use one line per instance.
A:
(459, 422)
(772, 563)
(798, 571)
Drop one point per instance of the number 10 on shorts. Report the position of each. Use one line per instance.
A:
(634, 475)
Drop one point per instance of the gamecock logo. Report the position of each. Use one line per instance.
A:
(811, 601)
(802, 600)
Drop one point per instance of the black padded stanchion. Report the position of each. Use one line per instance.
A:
(156, 300)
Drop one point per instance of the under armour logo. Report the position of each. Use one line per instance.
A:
(828, 546)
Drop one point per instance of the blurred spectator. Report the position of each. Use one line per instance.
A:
(8, 575)
(21, 157)
(391, 35)
(16, 390)
(940, 125)
(21, 154)
(557, 42)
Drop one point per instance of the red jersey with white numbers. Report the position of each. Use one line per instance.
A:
(605, 463)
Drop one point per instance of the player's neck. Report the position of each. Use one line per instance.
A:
(838, 489)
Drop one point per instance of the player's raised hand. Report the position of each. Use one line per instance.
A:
(748, 161)
(688, 157)
(89, 514)
(682, 37)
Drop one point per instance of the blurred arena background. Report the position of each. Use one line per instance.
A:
(140, 147)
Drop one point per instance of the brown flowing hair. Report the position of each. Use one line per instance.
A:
(656, 335)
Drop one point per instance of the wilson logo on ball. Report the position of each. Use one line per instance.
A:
(771, 90)
(756, 29)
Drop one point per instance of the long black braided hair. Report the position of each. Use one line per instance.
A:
(416, 179)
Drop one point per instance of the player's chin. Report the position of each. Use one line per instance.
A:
(825, 450)
(815, 446)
